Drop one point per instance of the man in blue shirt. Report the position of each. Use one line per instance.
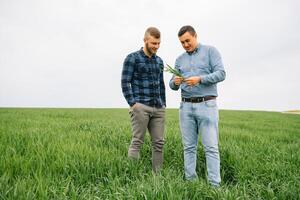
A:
(202, 68)
(144, 90)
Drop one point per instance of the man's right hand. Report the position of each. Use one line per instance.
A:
(177, 80)
(134, 105)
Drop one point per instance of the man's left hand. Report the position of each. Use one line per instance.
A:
(193, 80)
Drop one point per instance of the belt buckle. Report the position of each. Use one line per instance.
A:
(193, 99)
(196, 99)
(200, 99)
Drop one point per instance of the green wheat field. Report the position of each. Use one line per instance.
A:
(82, 154)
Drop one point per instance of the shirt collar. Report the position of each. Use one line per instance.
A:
(195, 50)
(143, 53)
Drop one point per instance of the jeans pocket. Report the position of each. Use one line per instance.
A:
(130, 112)
(211, 103)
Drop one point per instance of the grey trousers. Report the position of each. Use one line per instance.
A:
(144, 117)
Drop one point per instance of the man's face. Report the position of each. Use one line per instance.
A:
(152, 44)
(188, 41)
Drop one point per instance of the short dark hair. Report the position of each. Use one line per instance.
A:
(185, 29)
(153, 32)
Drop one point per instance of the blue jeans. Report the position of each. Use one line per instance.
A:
(194, 118)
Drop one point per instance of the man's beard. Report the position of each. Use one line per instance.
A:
(149, 50)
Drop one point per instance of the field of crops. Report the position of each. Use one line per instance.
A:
(82, 154)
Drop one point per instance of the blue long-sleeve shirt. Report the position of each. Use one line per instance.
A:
(142, 80)
(205, 62)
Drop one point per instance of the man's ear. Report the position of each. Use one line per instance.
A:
(195, 35)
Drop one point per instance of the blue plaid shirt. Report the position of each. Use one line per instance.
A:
(142, 80)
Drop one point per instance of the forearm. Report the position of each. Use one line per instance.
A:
(127, 92)
(163, 94)
(214, 77)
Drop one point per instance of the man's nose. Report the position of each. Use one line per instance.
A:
(185, 44)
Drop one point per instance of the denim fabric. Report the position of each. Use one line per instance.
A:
(200, 118)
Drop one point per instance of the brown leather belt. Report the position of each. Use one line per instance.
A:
(197, 99)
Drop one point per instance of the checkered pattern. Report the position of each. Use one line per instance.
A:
(142, 80)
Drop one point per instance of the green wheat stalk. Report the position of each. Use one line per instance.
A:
(174, 71)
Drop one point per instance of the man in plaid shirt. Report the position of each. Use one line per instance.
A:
(144, 90)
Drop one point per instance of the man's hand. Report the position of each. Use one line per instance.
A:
(134, 105)
(177, 80)
(193, 80)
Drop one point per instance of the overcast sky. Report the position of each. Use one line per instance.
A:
(69, 53)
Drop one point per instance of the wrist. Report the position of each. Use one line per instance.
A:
(199, 80)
